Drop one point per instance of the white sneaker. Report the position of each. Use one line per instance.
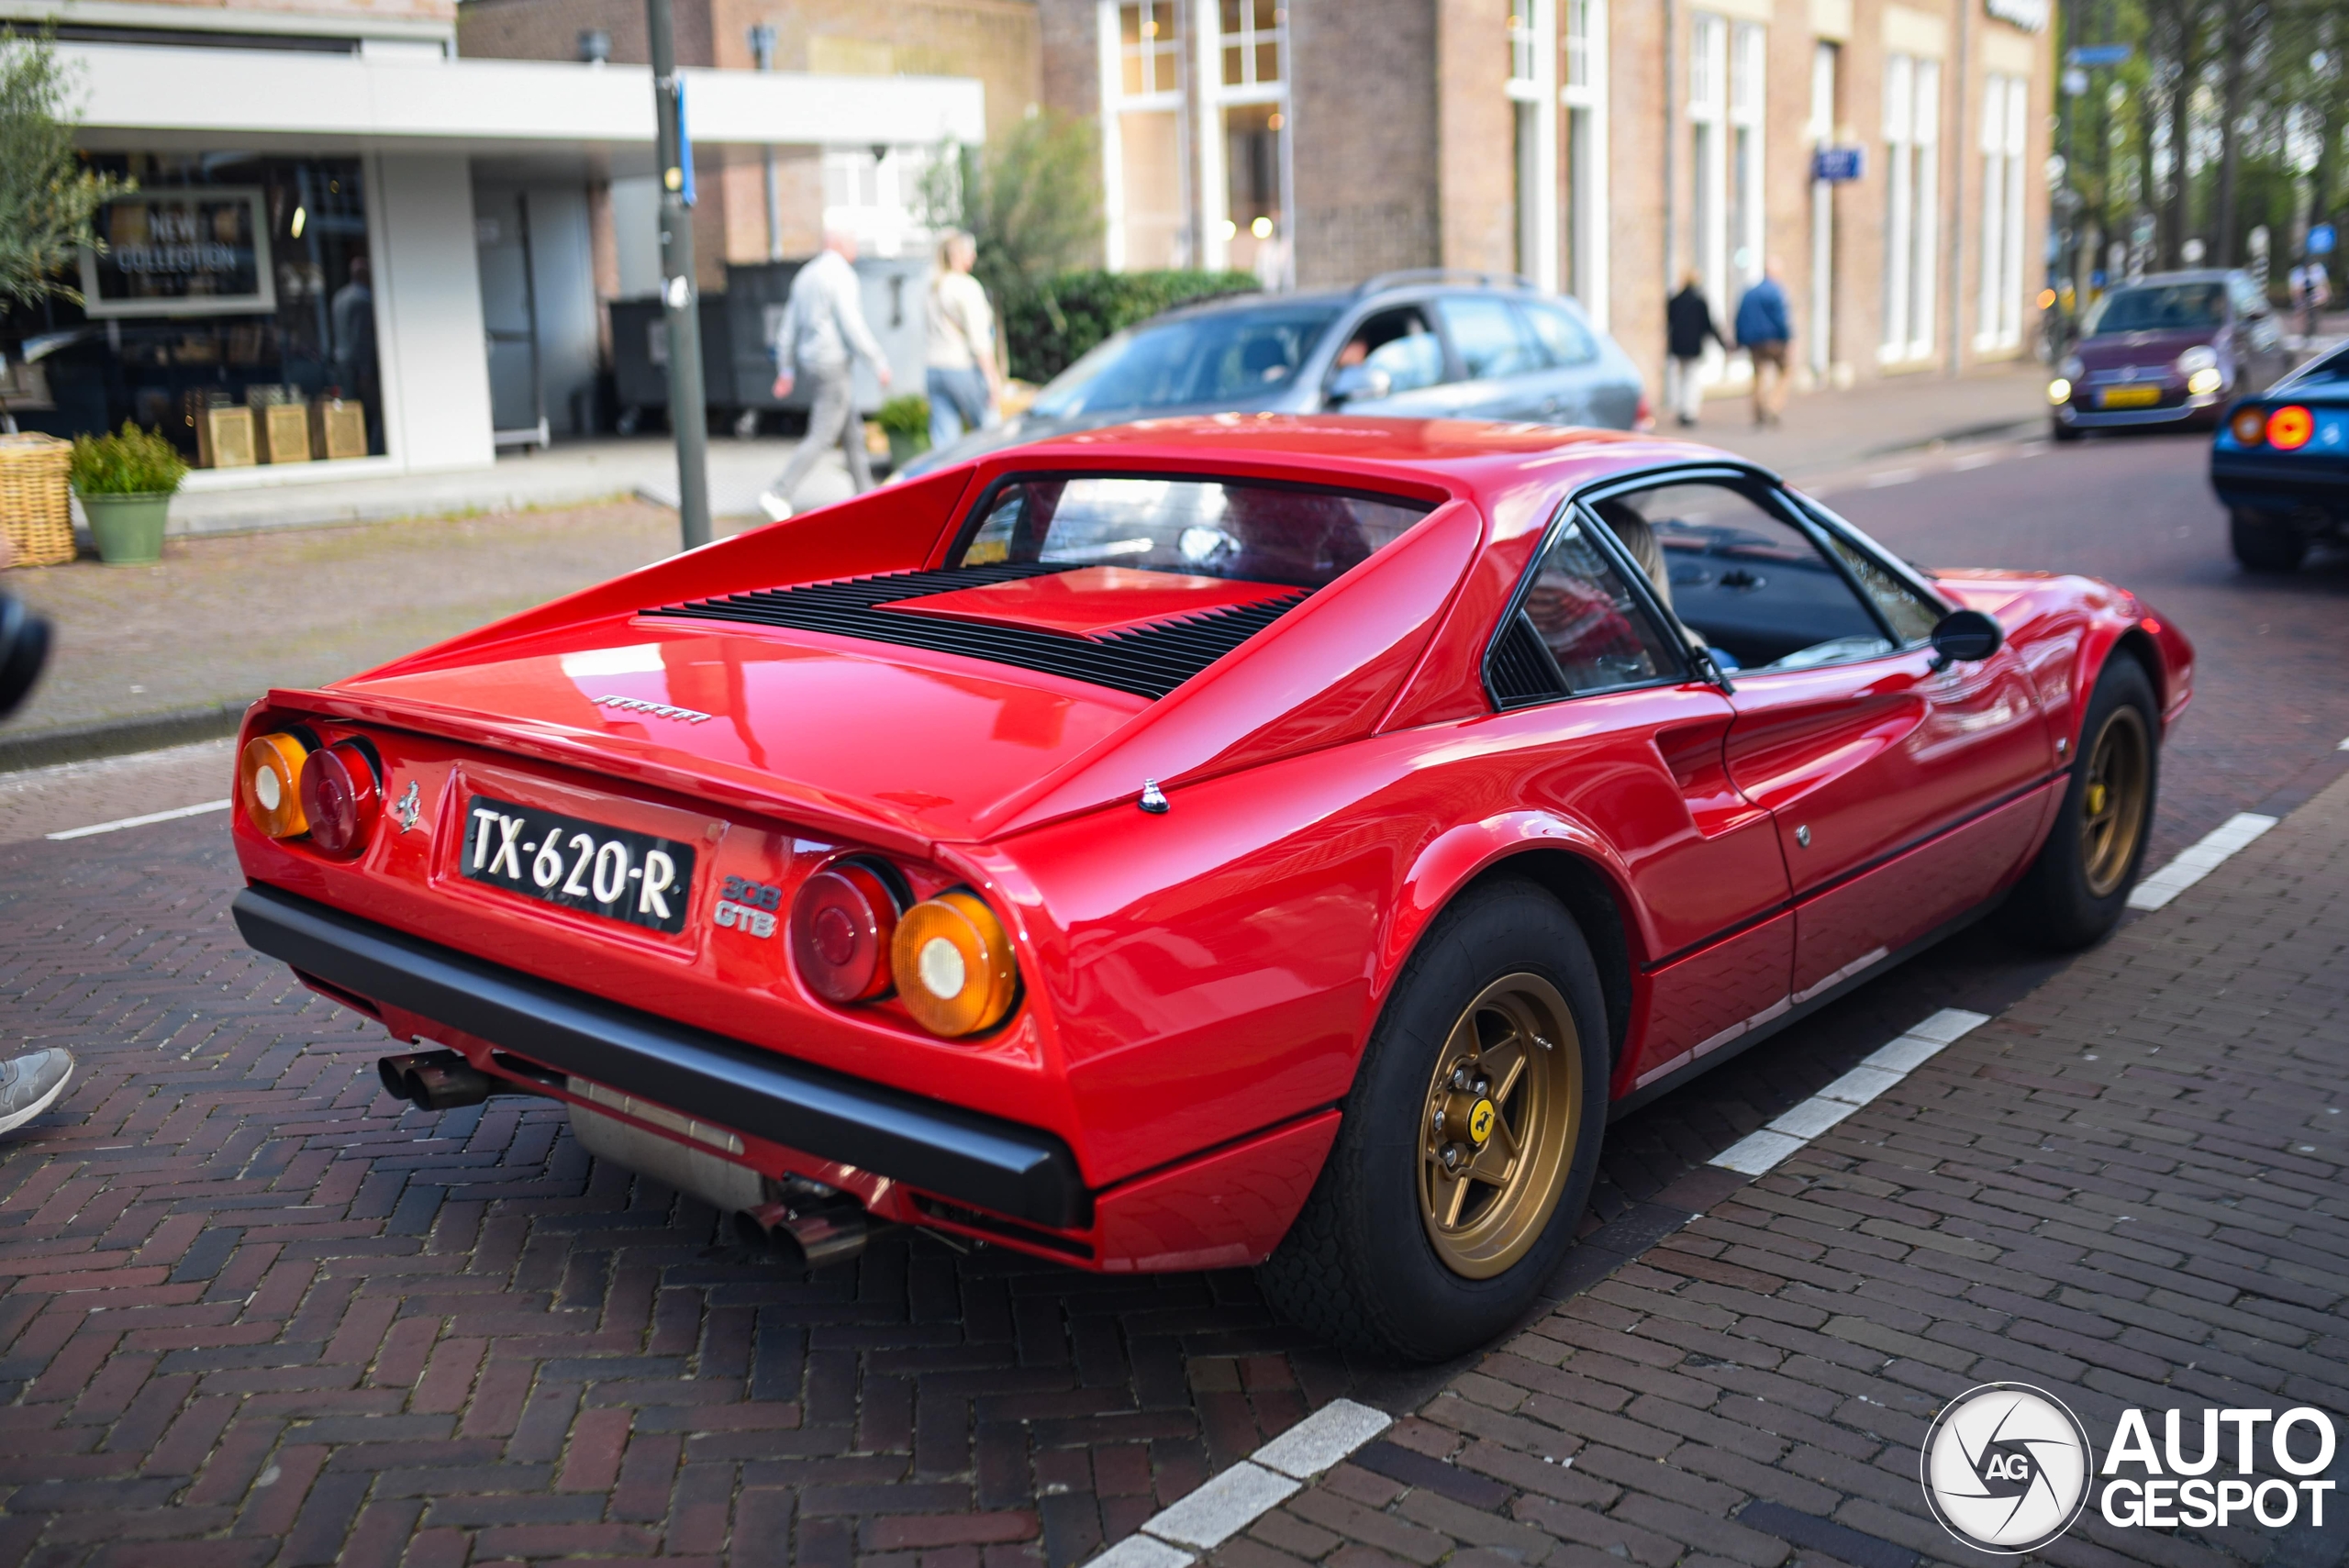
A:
(30, 1083)
(773, 505)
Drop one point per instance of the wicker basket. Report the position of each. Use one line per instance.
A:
(36, 502)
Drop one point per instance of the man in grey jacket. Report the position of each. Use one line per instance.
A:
(822, 326)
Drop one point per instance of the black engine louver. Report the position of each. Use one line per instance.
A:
(1519, 669)
(1148, 661)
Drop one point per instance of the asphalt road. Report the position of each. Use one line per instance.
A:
(332, 1324)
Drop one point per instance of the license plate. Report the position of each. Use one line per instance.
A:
(2130, 397)
(611, 871)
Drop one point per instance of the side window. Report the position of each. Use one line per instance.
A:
(1751, 585)
(1911, 615)
(1485, 335)
(1566, 342)
(1598, 633)
(1399, 342)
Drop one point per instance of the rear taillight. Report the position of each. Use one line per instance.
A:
(2249, 427)
(269, 779)
(842, 926)
(953, 964)
(342, 799)
(2290, 428)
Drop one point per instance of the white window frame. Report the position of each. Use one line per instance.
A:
(2005, 111)
(1749, 89)
(1116, 104)
(891, 224)
(1583, 96)
(1708, 182)
(1215, 97)
(1534, 88)
(1826, 61)
(1912, 158)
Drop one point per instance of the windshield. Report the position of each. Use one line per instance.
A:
(1224, 356)
(1199, 528)
(2166, 307)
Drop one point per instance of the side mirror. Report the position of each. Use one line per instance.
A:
(1357, 383)
(1966, 636)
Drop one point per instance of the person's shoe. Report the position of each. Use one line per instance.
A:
(30, 1083)
(773, 505)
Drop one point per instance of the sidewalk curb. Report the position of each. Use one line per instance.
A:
(119, 737)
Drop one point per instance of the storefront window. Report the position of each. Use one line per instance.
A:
(231, 308)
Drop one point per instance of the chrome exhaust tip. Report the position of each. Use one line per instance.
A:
(440, 1080)
(827, 1231)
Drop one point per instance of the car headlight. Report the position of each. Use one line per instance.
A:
(2198, 359)
(2059, 390)
(2072, 369)
(2204, 380)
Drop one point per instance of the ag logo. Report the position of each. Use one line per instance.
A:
(2006, 1468)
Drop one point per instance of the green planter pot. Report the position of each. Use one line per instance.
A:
(903, 449)
(129, 529)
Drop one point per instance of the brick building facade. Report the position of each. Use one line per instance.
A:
(1599, 147)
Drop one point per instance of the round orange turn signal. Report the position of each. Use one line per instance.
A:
(2249, 427)
(269, 778)
(953, 964)
(2290, 428)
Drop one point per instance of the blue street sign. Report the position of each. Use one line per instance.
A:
(2096, 54)
(2321, 239)
(684, 148)
(1837, 165)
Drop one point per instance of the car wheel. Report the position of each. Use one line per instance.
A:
(2075, 890)
(2262, 544)
(2061, 431)
(1469, 1142)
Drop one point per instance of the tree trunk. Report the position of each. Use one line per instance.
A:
(2237, 32)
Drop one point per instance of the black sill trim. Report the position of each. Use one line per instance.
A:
(1148, 661)
(1856, 871)
(956, 1154)
(1798, 1012)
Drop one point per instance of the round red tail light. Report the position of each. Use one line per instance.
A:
(2290, 428)
(340, 798)
(841, 925)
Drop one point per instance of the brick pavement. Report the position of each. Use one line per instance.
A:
(2125, 1190)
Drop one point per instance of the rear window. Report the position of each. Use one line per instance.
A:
(2331, 371)
(1203, 528)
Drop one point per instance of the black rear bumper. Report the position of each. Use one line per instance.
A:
(955, 1153)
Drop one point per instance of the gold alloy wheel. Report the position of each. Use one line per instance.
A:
(1498, 1134)
(2115, 801)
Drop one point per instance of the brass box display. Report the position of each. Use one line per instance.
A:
(285, 429)
(338, 428)
(224, 438)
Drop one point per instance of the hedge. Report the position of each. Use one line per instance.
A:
(1049, 326)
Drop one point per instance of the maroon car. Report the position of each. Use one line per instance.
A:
(2174, 348)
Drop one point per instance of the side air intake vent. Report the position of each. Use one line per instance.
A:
(1148, 661)
(1520, 670)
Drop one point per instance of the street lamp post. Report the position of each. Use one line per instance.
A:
(681, 308)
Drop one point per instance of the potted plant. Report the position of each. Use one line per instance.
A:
(126, 483)
(905, 419)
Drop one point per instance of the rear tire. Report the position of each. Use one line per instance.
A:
(2262, 544)
(1395, 1254)
(2076, 888)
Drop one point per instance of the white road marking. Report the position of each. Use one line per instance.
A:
(2343, 747)
(142, 821)
(1890, 476)
(1759, 1152)
(2199, 860)
(1237, 1497)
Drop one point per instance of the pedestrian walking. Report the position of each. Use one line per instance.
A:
(821, 336)
(2312, 292)
(1687, 323)
(963, 381)
(1764, 330)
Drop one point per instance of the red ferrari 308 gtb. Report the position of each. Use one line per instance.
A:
(1244, 840)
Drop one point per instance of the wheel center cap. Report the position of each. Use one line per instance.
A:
(1481, 1116)
(2096, 799)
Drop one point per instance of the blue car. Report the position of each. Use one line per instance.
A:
(2280, 464)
